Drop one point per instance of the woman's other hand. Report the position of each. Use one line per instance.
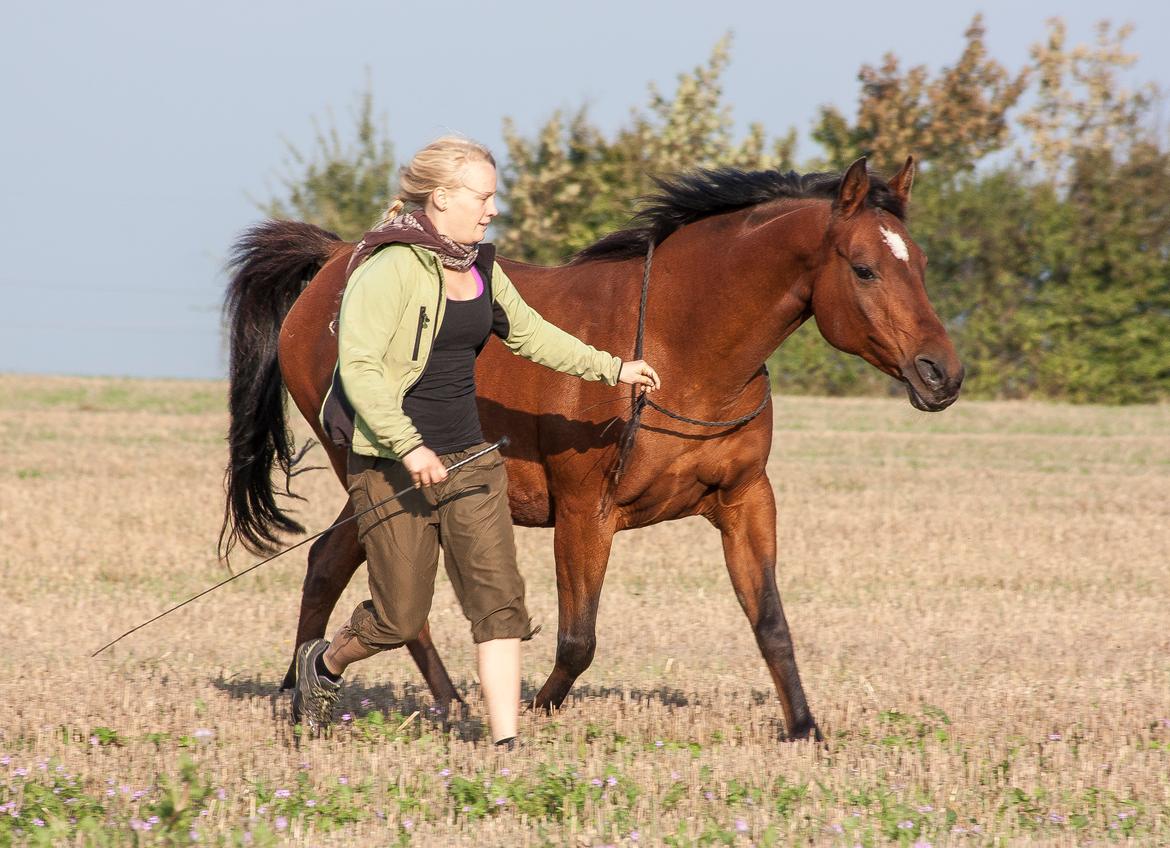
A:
(639, 373)
(424, 467)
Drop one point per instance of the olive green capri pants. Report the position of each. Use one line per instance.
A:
(468, 516)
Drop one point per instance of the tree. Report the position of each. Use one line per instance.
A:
(570, 185)
(950, 122)
(341, 186)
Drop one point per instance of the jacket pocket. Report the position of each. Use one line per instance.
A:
(422, 322)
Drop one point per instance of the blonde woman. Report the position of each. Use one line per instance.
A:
(421, 299)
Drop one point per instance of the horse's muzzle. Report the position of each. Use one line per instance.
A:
(931, 383)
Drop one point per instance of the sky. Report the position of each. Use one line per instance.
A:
(138, 136)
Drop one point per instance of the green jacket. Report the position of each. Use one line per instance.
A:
(390, 314)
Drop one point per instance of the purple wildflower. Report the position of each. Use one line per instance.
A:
(312, 802)
(674, 775)
(20, 772)
(221, 794)
(922, 843)
(1056, 818)
(741, 825)
(709, 795)
(634, 836)
(366, 703)
(611, 780)
(39, 822)
(203, 733)
(346, 717)
(596, 781)
(445, 773)
(501, 802)
(926, 808)
(505, 772)
(281, 823)
(282, 793)
(5, 760)
(407, 824)
(657, 743)
(836, 828)
(905, 824)
(194, 834)
(343, 780)
(1054, 737)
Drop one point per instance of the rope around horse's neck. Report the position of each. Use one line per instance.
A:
(645, 400)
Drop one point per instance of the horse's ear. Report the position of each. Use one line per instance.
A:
(902, 181)
(854, 189)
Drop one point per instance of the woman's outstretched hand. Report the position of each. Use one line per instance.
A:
(424, 467)
(639, 373)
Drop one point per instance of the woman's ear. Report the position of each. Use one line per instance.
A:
(440, 199)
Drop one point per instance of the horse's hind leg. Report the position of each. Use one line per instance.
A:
(332, 561)
(582, 554)
(747, 520)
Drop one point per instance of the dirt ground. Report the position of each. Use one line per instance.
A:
(979, 600)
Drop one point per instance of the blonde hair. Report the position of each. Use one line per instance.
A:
(441, 164)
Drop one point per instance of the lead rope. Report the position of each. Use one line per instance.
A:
(643, 399)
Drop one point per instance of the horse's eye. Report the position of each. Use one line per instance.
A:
(864, 272)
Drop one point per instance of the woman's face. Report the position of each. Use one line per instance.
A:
(463, 212)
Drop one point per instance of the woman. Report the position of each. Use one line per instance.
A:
(420, 302)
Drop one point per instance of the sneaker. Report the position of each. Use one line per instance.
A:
(313, 695)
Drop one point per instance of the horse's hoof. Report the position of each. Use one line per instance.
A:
(805, 733)
(290, 677)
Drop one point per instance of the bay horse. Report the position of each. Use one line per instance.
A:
(740, 260)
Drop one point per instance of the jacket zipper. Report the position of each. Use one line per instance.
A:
(422, 313)
(422, 321)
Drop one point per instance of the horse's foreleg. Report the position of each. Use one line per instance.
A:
(582, 550)
(747, 520)
(332, 561)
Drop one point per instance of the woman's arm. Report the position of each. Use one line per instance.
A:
(371, 313)
(528, 334)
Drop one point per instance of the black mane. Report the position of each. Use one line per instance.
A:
(705, 192)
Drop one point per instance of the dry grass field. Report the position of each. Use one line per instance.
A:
(979, 599)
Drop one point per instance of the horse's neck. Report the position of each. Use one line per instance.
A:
(746, 285)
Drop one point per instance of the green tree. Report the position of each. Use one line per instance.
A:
(949, 122)
(571, 185)
(343, 186)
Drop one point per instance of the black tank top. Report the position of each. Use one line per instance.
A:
(441, 405)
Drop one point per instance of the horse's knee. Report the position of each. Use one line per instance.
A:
(575, 651)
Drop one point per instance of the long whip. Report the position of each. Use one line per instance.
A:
(454, 466)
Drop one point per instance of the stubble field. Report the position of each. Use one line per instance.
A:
(979, 600)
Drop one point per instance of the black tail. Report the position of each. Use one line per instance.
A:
(271, 263)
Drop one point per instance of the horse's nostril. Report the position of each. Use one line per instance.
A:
(930, 373)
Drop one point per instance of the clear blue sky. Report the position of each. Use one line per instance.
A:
(134, 133)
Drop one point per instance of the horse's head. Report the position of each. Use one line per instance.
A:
(869, 295)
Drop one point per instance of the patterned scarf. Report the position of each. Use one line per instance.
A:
(414, 228)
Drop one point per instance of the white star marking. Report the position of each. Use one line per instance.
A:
(896, 244)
